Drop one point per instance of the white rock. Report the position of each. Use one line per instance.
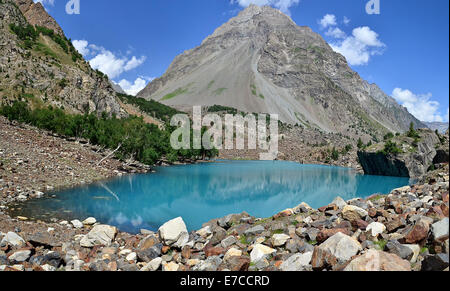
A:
(204, 232)
(260, 252)
(376, 228)
(13, 239)
(440, 230)
(193, 262)
(170, 267)
(341, 246)
(99, 235)
(416, 251)
(232, 253)
(125, 252)
(20, 256)
(171, 231)
(132, 257)
(339, 202)
(297, 262)
(279, 240)
(77, 224)
(89, 221)
(50, 229)
(48, 268)
(153, 265)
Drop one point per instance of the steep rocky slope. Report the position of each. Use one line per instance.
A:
(261, 61)
(405, 156)
(46, 69)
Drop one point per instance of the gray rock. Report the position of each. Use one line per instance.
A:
(149, 254)
(258, 229)
(440, 230)
(13, 239)
(297, 262)
(99, 235)
(20, 256)
(400, 250)
(229, 241)
(210, 264)
(171, 231)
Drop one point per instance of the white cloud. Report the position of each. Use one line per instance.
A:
(82, 47)
(335, 32)
(346, 20)
(45, 2)
(106, 61)
(420, 106)
(136, 87)
(328, 20)
(360, 46)
(282, 5)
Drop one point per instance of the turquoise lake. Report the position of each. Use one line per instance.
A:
(201, 192)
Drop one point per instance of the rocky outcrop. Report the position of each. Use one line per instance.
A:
(415, 159)
(36, 15)
(43, 72)
(261, 61)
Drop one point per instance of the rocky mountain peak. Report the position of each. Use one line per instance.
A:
(36, 15)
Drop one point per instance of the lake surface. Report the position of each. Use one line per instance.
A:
(202, 192)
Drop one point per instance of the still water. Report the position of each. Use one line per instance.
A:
(201, 192)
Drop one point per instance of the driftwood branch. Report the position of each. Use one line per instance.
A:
(109, 155)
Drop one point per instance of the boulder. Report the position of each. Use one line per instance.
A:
(232, 253)
(339, 202)
(440, 230)
(336, 250)
(279, 240)
(297, 262)
(351, 213)
(374, 260)
(404, 252)
(417, 233)
(437, 262)
(89, 221)
(99, 235)
(171, 231)
(153, 265)
(77, 224)
(13, 239)
(258, 229)
(260, 252)
(376, 228)
(229, 241)
(20, 256)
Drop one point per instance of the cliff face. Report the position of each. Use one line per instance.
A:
(36, 15)
(414, 161)
(47, 70)
(261, 61)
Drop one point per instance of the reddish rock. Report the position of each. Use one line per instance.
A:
(165, 249)
(213, 251)
(417, 233)
(186, 252)
(324, 234)
(360, 224)
(238, 264)
(328, 208)
(436, 213)
(394, 224)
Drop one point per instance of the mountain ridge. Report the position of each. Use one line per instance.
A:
(275, 66)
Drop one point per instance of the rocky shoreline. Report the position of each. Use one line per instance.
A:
(405, 230)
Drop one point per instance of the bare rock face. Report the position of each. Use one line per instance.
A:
(261, 61)
(44, 71)
(36, 15)
(414, 161)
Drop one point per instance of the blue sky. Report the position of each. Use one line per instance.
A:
(404, 49)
